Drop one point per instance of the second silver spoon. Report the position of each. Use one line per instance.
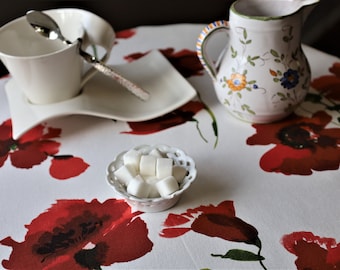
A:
(46, 26)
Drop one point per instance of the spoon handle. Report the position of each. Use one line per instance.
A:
(108, 71)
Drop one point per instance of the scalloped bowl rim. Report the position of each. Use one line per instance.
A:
(171, 152)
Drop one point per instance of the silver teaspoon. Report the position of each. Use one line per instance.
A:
(47, 27)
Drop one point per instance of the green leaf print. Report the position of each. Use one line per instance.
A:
(233, 52)
(240, 255)
(274, 53)
(245, 35)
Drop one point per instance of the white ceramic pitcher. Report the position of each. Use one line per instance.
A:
(263, 74)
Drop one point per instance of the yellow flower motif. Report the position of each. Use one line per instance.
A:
(237, 82)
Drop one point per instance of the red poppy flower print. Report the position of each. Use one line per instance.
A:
(327, 92)
(36, 146)
(216, 221)
(313, 252)
(66, 166)
(74, 234)
(185, 61)
(177, 117)
(329, 85)
(301, 145)
(31, 149)
(125, 34)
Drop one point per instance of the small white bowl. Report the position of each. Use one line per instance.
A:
(179, 157)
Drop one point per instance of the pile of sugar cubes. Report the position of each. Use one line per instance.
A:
(149, 175)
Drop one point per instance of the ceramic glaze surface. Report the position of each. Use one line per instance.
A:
(48, 71)
(264, 74)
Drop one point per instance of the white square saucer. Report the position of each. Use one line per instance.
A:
(103, 97)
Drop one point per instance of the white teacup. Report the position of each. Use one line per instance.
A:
(49, 71)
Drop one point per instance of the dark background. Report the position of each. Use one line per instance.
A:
(321, 29)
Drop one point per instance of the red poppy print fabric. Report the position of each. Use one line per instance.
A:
(329, 85)
(305, 144)
(327, 93)
(186, 63)
(216, 221)
(302, 145)
(74, 234)
(175, 118)
(312, 251)
(125, 34)
(36, 146)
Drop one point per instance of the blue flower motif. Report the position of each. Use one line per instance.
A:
(290, 79)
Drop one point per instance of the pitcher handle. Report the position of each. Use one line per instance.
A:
(204, 36)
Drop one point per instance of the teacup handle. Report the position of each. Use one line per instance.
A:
(204, 36)
(98, 32)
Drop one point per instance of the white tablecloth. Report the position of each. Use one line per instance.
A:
(257, 203)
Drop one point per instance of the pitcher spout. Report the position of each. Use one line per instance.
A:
(306, 6)
(305, 3)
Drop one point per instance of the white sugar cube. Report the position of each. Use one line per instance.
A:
(138, 187)
(179, 173)
(167, 186)
(132, 158)
(164, 167)
(147, 165)
(155, 152)
(125, 173)
(152, 180)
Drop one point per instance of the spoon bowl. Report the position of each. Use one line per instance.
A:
(45, 26)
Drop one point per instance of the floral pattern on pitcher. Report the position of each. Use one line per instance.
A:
(288, 77)
(237, 82)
